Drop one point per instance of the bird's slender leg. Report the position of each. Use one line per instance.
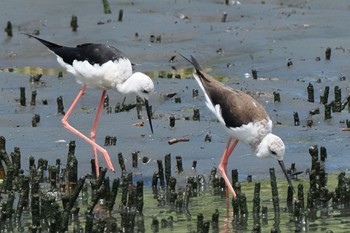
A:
(223, 167)
(93, 135)
(75, 131)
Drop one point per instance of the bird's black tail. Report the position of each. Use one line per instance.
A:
(197, 67)
(48, 44)
(193, 61)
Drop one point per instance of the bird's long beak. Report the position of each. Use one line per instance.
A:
(285, 173)
(149, 114)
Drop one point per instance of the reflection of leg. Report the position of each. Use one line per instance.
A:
(223, 165)
(75, 131)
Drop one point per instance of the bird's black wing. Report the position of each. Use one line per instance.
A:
(93, 53)
(98, 53)
(237, 107)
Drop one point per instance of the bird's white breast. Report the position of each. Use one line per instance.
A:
(251, 133)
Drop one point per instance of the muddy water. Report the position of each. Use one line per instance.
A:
(256, 35)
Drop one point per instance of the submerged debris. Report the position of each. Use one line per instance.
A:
(176, 140)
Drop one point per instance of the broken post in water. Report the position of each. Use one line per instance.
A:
(33, 99)
(179, 164)
(256, 204)
(337, 103)
(324, 98)
(120, 15)
(22, 98)
(121, 162)
(224, 16)
(134, 158)
(171, 121)
(167, 168)
(60, 107)
(310, 93)
(255, 74)
(161, 174)
(195, 93)
(276, 97)
(296, 119)
(196, 115)
(106, 7)
(327, 111)
(74, 23)
(328, 53)
(275, 198)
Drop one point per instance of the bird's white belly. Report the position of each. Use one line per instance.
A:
(252, 133)
(105, 76)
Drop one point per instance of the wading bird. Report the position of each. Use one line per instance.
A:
(102, 67)
(244, 119)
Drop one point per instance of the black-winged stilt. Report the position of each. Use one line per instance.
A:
(103, 67)
(244, 119)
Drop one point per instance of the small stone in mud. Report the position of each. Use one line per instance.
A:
(177, 99)
(207, 138)
(309, 123)
(314, 111)
(145, 159)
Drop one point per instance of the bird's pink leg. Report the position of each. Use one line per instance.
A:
(75, 131)
(93, 135)
(223, 167)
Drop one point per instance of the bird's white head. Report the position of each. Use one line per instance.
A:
(139, 84)
(271, 146)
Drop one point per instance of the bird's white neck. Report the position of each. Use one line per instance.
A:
(259, 147)
(137, 83)
(271, 146)
(129, 86)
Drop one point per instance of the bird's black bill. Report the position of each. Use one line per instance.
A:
(149, 114)
(285, 173)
